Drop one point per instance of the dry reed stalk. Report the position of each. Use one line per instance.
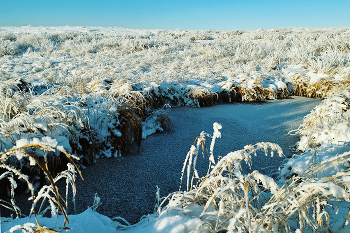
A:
(234, 200)
(225, 188)
(269, 94)
(153, 100)
(130, 128)
(230, 93)
(203, 96)
(134, 101)
(346, 82)
(321, 88)
(307, 199)
(282, 93)
(251, 94)
(300, 85)
(28, 151)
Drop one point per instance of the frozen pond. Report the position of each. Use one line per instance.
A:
(127, 185)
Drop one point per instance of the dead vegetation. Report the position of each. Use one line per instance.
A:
(203, 97)
(230, 93)
(323, 87)
(299, 85)
(131, 130)
(48, 197)
(234, 200)
(255, 94)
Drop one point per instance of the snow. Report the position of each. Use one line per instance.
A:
(174, 221)
(62, 141)
(163, 154)
(86, 222)
(101, 64)
(112, 31)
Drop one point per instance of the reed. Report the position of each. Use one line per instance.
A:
(234, 200)
(57, 204)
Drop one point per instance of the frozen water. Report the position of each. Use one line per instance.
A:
(127, 185)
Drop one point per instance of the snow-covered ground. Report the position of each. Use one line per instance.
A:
(129, 193)
(92, 91)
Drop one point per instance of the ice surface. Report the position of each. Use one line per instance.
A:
(162, 155)
(173, 65)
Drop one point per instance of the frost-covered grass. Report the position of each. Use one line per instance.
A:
(96, 92)
(75, 80)
(36, 151)
(228, 199)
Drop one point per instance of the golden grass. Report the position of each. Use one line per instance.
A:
(300, 84)
(282, 93)
(244, 201)
(321, 88)
(203, 96)
(134, 101)
(251, 95)
(269, 94)
(34, 152)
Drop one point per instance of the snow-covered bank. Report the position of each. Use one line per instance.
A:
(127, 187)
(105, 78)
(324, 135)
(86, 222)
(91, 88)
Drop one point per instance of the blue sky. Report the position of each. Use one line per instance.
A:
(182, 14)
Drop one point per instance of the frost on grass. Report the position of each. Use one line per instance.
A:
(328, 124)
(232, 200)
(324, 134)
(98, 88)
(98, 91)
(48, 196)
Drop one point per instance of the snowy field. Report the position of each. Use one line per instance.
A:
(77, 94)
(130, 193)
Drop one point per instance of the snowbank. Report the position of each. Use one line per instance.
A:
(95, 91)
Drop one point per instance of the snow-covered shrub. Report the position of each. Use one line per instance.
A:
(13, 98)
(158, 121)
(324, 134)
(321, 88)
(8, 48)
(201, 96)
(229, 92)
(233, 200)
(251, 90)
(328, 61)
(299, 84)
(328, 124)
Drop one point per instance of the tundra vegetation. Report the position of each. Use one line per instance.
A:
(71, 95)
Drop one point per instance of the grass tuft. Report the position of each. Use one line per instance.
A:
(130, 128)
(233, 200)
(203, 97)
(50, 193)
